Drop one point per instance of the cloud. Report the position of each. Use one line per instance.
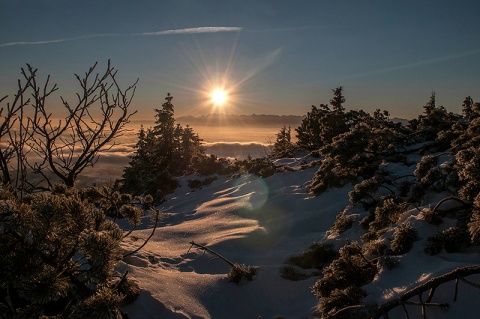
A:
(193, 30)
(165, 32)
(9, 44)
(303, 28)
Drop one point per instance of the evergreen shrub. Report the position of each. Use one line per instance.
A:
(452, 239)
(57, 258)
(403, 238)
(343, 277)
(343, 222)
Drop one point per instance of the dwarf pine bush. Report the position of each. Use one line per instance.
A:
(474, 225)
(343, 277)
(57, 258)
(386, 213)
(452, 239)
(403, 238)
(343, 222)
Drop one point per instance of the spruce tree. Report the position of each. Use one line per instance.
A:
(338, 99)
(162, 152)
(430, 106)
(309, 131)
(283, 146)
(467, 108)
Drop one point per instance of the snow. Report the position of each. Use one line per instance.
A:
(261, 222)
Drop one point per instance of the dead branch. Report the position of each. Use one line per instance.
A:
(417, 291)
(237, 272)
(157, 218)
(437, 206)
(204, 248)
(432, 284)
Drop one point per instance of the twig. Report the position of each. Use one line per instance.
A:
(424, 313)
(405, 310)
(430, 294)
(434, 282)
(456, 289)
(122, 281)
(468, 282)
(204, 248)
(465, 204)
(157, 218)
(426, 304)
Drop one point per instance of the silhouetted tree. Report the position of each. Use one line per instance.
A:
(309, 131)
(322, 124)
(163, 152)
(430, 106)
(63, 148)
(467, 108)
(435, 119)
(283, 146)
(338, 99)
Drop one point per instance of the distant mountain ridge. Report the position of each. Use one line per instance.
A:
(233, 120)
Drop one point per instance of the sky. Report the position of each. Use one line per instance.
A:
(271, 57)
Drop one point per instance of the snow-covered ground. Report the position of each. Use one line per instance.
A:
(261, 222)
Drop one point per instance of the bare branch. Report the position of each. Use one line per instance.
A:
(158, 214)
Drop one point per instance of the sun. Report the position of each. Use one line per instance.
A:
(219, 96)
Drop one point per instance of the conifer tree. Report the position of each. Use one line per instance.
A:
(430, 106)
(338, 99)
(435, 119)
(321, 125)
(161, 153)
(309, 131)
(470, 109)
(283, 146)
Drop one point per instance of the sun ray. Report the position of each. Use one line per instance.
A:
(219, 68)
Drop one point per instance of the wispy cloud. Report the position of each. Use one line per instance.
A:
(157, 33)
(288, 29)
(193, 30)
(9, 44)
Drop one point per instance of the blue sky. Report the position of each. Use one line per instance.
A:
(275, 57)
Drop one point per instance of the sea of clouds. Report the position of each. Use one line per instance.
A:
(227, 142)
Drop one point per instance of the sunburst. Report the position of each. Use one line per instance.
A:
(219, 97)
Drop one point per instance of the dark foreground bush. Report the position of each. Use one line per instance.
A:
(403, 239)
(343, 222)
(452, 239)
(340, 285)
(57, 259)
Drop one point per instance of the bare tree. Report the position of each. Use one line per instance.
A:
(14, 134)
(55, 148)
